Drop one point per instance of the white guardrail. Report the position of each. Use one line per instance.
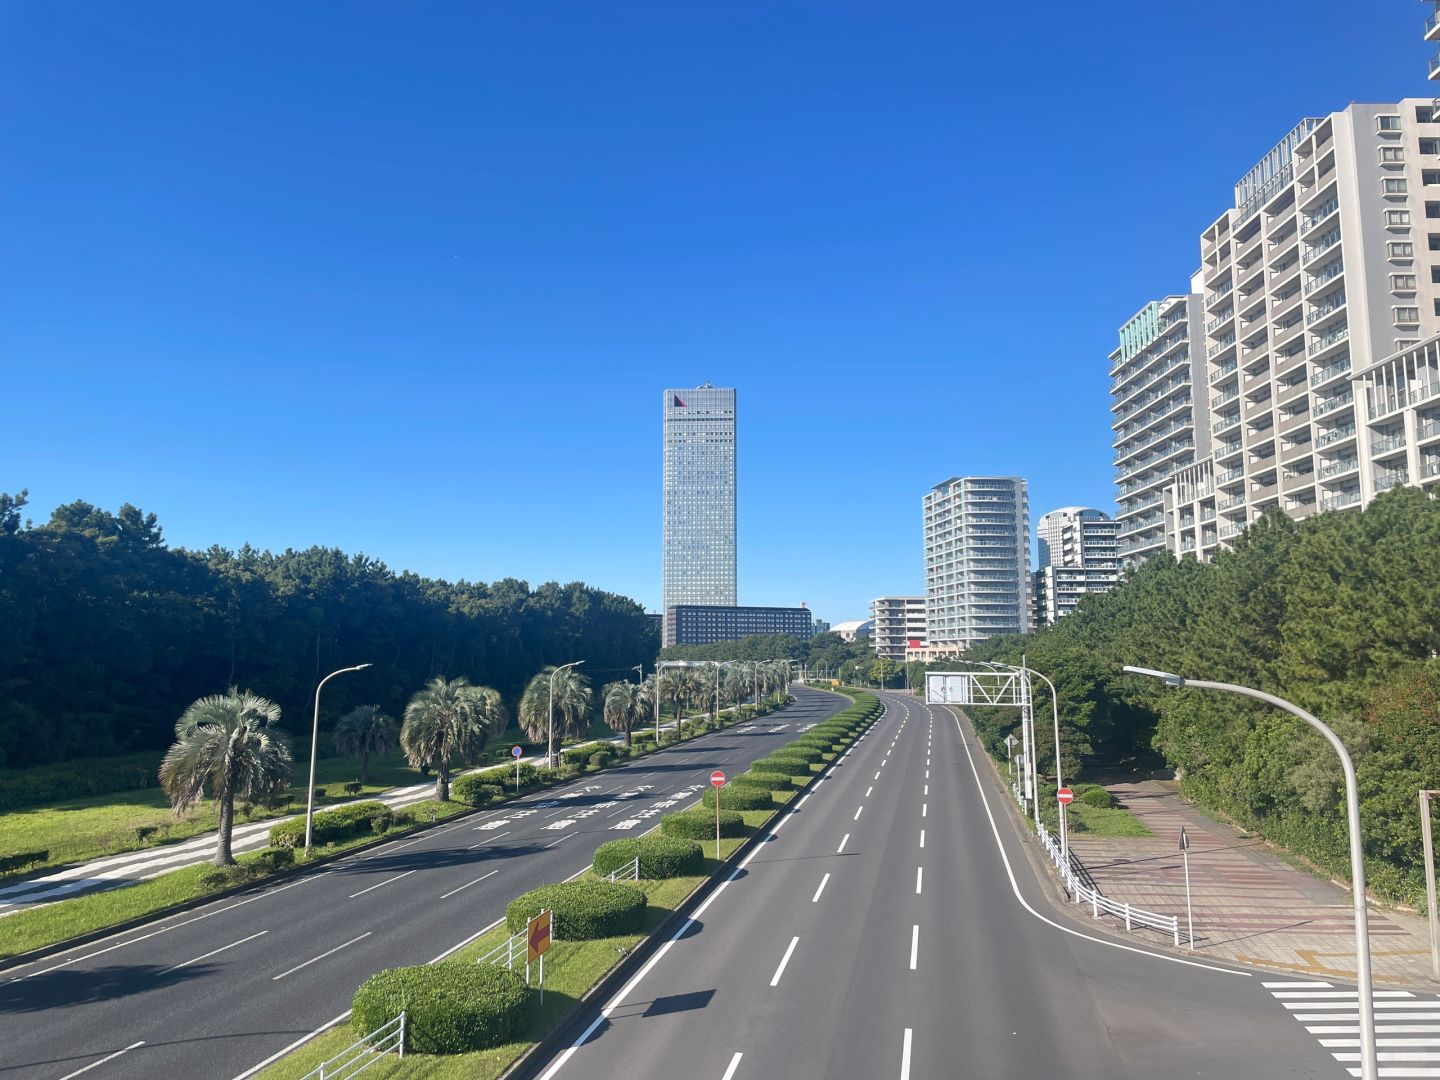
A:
(1081, 893)
(629, 872)
(357, 1058)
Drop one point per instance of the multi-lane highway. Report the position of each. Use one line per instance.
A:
(215, 991)
(895, 927)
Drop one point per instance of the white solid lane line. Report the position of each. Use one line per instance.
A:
(107, 1057)
(919, 877)
(387, 881)
(214, 952)
(322, 956)
(775, 979)
(914, 945)
(905, 1057)
(823, 881)
(482, 877)
(843, 841)
(734, 1064)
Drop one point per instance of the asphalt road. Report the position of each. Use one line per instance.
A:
(217, 990)
(890, 930)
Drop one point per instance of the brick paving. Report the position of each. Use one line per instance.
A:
(1249, 905)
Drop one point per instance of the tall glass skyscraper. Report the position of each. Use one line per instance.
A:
(699, 537)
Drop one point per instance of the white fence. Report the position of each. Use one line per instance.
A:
(504, 953)
(357, 1058)
(1082, 893)
(629, 872)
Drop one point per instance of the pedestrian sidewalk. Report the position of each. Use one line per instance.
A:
(1249, 905)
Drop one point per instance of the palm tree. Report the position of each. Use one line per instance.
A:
(626, 705)
(363, 731)
(571, 707)
(736, 683)
(225, 742)
(446, 720)
(673, 685)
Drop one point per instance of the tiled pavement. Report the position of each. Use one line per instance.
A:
(1249, 905)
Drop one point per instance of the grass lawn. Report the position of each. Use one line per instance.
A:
(1106, 821)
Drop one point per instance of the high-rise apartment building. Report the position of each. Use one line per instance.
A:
(1078, 554)
(899, 625)
(1153, 375)
(977, 559)
(1328, 263)
(699, 498)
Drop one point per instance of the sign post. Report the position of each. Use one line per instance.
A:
(538, 935)
(717, 780)
(1010, 742)
(1428, 839)
(516, 752)
(1189, 913)
(1064, 796)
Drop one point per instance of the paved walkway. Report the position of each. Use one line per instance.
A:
(1249, 905)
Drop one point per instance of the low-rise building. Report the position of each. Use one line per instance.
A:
(702, 624)
(899, 625)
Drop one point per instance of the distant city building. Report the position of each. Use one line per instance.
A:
(853, 630)
(1320, 303)
(699, 497)
(819, 626)
(702, 624)
(1153, 374)
(977, 559)
(1078, 554)
(899, 624)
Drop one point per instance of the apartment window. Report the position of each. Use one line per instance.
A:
(1399, 217)
(1399, 186)
(1390, 154)
(1404, 249)
(1437, 307)
(1430, 146)
(1424, 114)
(1435, 274)
(1387, 123)
(1406, 314)
(1405, 343)
(1406, 282)
(1430, 177)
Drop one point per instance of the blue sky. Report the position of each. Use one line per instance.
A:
(410, 278)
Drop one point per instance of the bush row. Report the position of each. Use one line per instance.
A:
(660, 856)
(583, 909)
(342, 823)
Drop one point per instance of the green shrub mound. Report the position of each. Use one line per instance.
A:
(449, 1008)
(1097, 796)
(272, 859)
(224, 877)
(799, 753)
(583, 909)
(742, 797)
(767, 781)
(660, 856)
(782, 766)
(477, 789)
(700, 824)
(332, 826)
(600, 758)
(823, 743)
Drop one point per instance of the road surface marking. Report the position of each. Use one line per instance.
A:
(487, 840)
(387, 881)
(482, 877)
(924, 809)
(927, 790)
(843, 841)
(107, 1057)
(927, 774)
(922, 838)
(775, 979)
(877, 774)
(919, 876)
(857, 813)
(734, 1064)
(214, 952)
(914, 945)
(821, 889)
(905, 1057)
(294, 1045)
(882, 764)
(1295, 985)
(868, 790)
(307, 963)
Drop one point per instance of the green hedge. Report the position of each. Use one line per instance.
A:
(583, 909)
(700, 824)
(600, 758)
(741, 797)
(660, 856)
(769, 781)
(477, 789)
(1097, 796)
(449, 1008)
(782, 766)
(798, 753)
(332, 826)
(77, 779)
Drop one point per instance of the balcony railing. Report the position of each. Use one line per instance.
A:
(1335, 468)
(1231, 502)
(1330, 272)
(1229, 476)
(1220, 346)
(1225, 369)
(1329, 372)
(1428, 430)
(1315, 314)
(1324, 244)
(1225, 423)
(1219, 320)
(1227, 531)
(1329, 339)
(1343, 499)
(1329, 405)
(1390, 480)
(1335, 435)
(1216, 403)
(1430, 468)
(1385, 445)
(1321, 213)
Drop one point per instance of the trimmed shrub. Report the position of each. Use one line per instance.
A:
(566, 772)
(224, 877)
(700, 824)
(449, 1008)
(660, 856)
(1098, 797)
(331, 826)
(584, 910)
(288, 834)
(799, 753)
(602, 757)
(786, 767)
(767, 781)
(476, 789)
(743, 797)
(401, 819)
(272, 859)
(577, 755)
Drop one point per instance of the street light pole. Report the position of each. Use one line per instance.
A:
(314, 743)
(1427, 839)
(1059, 779)
(1369, 1068)
(550, 733)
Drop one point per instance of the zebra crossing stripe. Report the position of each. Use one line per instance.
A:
(1403, 1048)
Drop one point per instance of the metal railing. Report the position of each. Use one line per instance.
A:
(1100, 904)
(629, 872)
(359, 1056)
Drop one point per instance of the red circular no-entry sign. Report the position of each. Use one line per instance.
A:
(717, 778)
(1065, 795)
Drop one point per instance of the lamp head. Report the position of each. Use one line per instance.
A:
(361, 667)
(1167, 677)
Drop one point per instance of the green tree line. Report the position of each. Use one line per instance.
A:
(107, 634)
(1339, 613)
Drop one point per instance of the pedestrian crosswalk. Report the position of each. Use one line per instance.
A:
(1407, 1027)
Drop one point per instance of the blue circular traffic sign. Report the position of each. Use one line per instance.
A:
(515, 751)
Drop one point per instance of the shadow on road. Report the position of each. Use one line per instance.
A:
(70, 987)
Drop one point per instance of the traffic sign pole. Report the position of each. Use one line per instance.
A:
(717, 780)
(516, 753)
(1189, 912)
(1064, 796)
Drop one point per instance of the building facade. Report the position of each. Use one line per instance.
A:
(899, 624)
(702, 624)
(1078, 553)
(1327, 265)
(698, 542)
(1153, 374)
(977, 559)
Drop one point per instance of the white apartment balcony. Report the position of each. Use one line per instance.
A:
(1432, 27)
(1435, 67)
(1330, 372)
(1226, 422)
(1427, 430)
(1325, 406)
(1320, 246)
(1337, 468)
(1389, 446)
(1404, 397)
(1327, 273)
(1224, 345)
(1328, 341)
(1430, 468)
(1322, 214)
(1335, 436)
(1325, 313)
(1216, 295)
(1225, 370)
(1290, 391)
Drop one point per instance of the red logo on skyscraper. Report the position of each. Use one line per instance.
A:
(678, 403)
